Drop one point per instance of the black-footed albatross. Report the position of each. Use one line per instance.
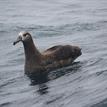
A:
(53, 58)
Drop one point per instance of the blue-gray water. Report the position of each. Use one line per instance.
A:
(51, 22)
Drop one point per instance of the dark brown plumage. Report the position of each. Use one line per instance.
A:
(54, 57)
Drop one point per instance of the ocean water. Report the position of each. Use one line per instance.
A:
(52, 22)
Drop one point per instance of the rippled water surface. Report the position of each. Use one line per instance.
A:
(51, 22)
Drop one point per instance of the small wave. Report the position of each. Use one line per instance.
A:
(101, 104)
(94, 61)
(5, 104)
(54, 100)
(101, 72)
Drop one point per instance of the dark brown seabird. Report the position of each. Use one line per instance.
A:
(53, 58)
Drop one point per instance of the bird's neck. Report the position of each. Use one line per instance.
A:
(32, 55)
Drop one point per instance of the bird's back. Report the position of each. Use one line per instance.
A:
(61, 52)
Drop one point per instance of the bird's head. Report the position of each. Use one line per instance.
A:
(23, 37)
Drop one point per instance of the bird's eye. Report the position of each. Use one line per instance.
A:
(24, 35)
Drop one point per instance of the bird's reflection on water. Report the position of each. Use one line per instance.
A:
(41, 79)
(75, 67)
